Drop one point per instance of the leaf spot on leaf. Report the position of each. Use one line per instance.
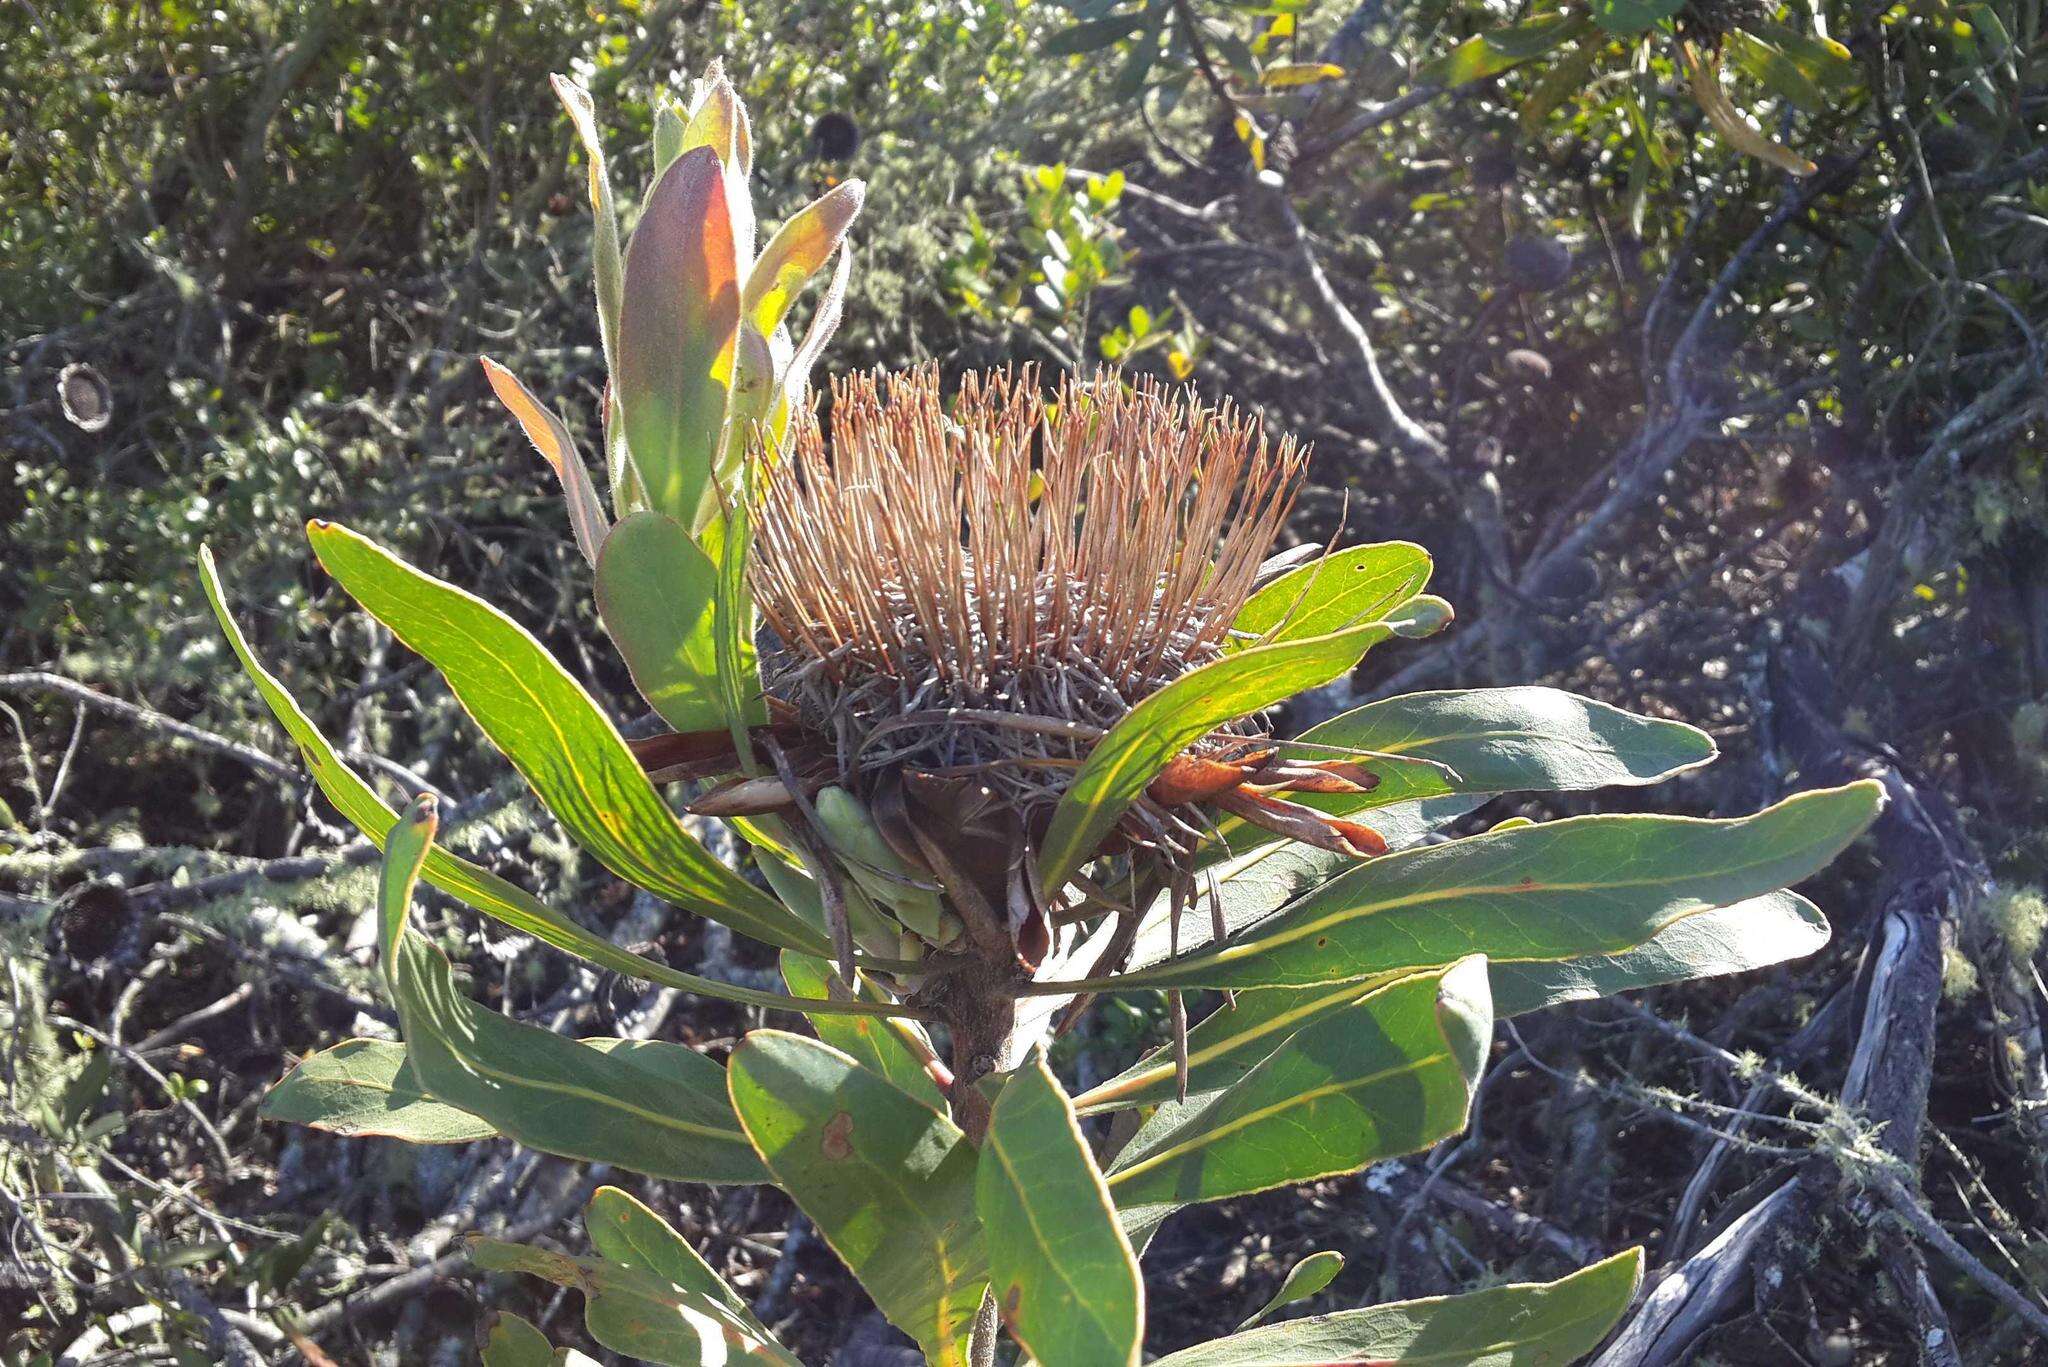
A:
(838, 1141)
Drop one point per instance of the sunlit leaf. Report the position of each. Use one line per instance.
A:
(1160, 727)
(888, 1181)
(503, 901)
(1065, 1279)
(556, 736)
(658, 595)
(1306, 1278)
(677, 330)
(1391, 1074)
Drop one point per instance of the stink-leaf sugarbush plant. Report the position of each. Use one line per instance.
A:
(978, 684)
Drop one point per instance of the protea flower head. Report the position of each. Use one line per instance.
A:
(974, 594)
(963, 599)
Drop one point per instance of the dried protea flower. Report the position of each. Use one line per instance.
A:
(976, 593)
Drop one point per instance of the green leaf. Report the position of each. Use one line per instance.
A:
(625, 1231)
(1563, 890)
(1223, 1046)
(1492, 740)
(1633, 16)
(1567, 76)
(1064, 1275)
(888, 1181)
(1389, 1075)
(1489, 54)
(1766, 930)
(1230, 1040)
(366, 1087)
(511, 1342)
(1159, 728)
(1362, 584)
(647, 1106)
(1775, 71)
(1528, 1324)
(1304, 1279)
(894, 1048)
(676, 333)
(637, 1312)
(1092, 35)
(504, 902)
(556, 736)
(658, 595)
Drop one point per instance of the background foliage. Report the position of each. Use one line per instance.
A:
(1684, 432)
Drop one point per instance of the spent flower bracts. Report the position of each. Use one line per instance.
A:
(979, 679)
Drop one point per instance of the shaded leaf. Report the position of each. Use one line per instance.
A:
(634, 1311)
(365, 1087)
(648, 1106)
(1491, 740)
(1529, 1324)
(625, 1231)
(510, 1341)
(888, 1181)
(1391, 1074)
(1753, 934)
(1064, 1276)
(1583, 886)
(1633, 16)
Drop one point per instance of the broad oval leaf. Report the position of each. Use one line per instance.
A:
(658, 595)
(556, 736)
(888, 1181)
(365, 1087)
(1389, 1075)
(1064, 1276)
(640, 1313)
(1583, 886)
(1483, 741)
(647, 1106)
(1160, 727)
(1527, 1324)
(503, 901)
(1333, 592)
(510, 1341)
(677, 328)
(1759, 932)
